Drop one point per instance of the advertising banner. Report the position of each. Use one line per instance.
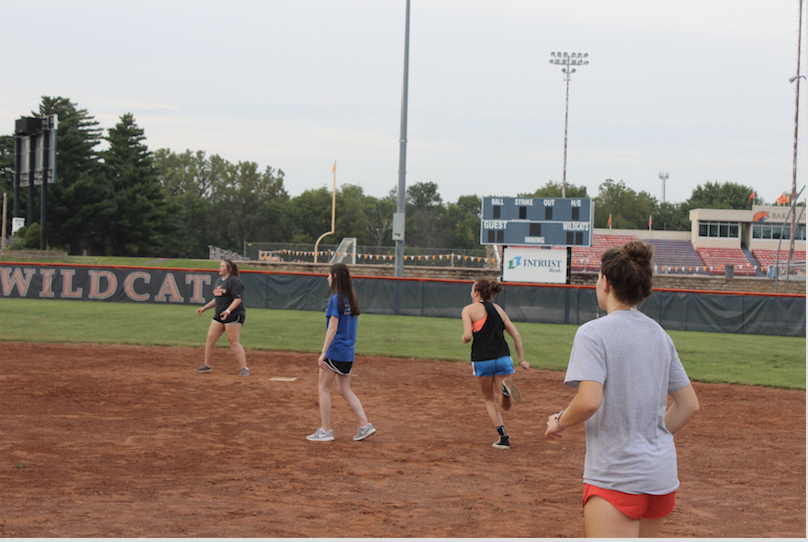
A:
(534, 265)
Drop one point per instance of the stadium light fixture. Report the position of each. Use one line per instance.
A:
(567, 60)
(663, 175)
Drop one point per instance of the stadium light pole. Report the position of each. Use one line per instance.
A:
(794, 167)
(663, 175)
(402, 157)
(567, 60)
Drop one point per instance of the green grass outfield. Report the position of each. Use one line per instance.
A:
(708, 357)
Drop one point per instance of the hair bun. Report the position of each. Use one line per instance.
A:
(639, 252)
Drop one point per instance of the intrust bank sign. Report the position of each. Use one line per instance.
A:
(534, 265)
(116, 284)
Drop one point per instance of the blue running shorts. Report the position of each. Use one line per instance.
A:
(500, 366)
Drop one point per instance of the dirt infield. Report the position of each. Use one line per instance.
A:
(121, 441)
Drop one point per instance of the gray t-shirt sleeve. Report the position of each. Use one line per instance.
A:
(587, 358)
(678, 378)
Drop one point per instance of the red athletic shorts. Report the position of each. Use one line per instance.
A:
(634, 506)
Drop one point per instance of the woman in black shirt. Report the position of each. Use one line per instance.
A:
(229, 317)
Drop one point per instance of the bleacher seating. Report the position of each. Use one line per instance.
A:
(673, 256)
(716, 260)
(679, 256)
(768, 258)
(588, 258)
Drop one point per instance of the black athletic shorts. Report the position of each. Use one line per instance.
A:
(232, 318)
(340, 367)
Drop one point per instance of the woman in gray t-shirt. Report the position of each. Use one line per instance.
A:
(624, 366)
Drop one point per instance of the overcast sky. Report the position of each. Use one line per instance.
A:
(696, 88)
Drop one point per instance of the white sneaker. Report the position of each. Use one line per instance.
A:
(364, 432)
(321, 436)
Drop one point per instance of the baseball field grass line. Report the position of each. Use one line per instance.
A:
(708, 357)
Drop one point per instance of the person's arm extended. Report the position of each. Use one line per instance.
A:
(517, 339)
(684, 407)
(585, 403)
(330, 333)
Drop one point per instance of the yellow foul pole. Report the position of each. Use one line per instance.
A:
(333, 211)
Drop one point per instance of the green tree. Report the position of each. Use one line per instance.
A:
(721, 196)
(425, 213)
(190, 181)
(671, 217)
(140, 223)
(7, 174)
(310, 216)
(77, 201)
(249, 205)
(32, 236)
(553, 190)
(629, 209)
(379, 219)
(463, 221)
(189, 172)
(351, 220)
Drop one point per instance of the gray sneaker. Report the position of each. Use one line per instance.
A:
(509, 389)
(364, 432)
(321, 436)
(203, 369)
(244, 372)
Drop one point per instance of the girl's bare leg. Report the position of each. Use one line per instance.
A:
(214, 332)
(344, 386)
(233, 336)
(325, 379)
(487, 386)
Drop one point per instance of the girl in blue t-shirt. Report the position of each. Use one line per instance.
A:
(336, 359)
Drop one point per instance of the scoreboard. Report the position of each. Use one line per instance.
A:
(550, 222)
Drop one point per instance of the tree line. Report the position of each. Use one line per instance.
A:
(129, 201)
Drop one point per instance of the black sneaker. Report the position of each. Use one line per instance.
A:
(203, 369)
(503, 443)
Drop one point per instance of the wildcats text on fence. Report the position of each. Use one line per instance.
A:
(35, 281)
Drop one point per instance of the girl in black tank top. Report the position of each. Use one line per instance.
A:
(489, 342)
(485, 323)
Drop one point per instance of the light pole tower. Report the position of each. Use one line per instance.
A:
(401, 199)
(567, 60)
(796, 129)
(663, 175)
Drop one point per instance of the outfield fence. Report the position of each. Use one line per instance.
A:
(681, 310)
(434, 257)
